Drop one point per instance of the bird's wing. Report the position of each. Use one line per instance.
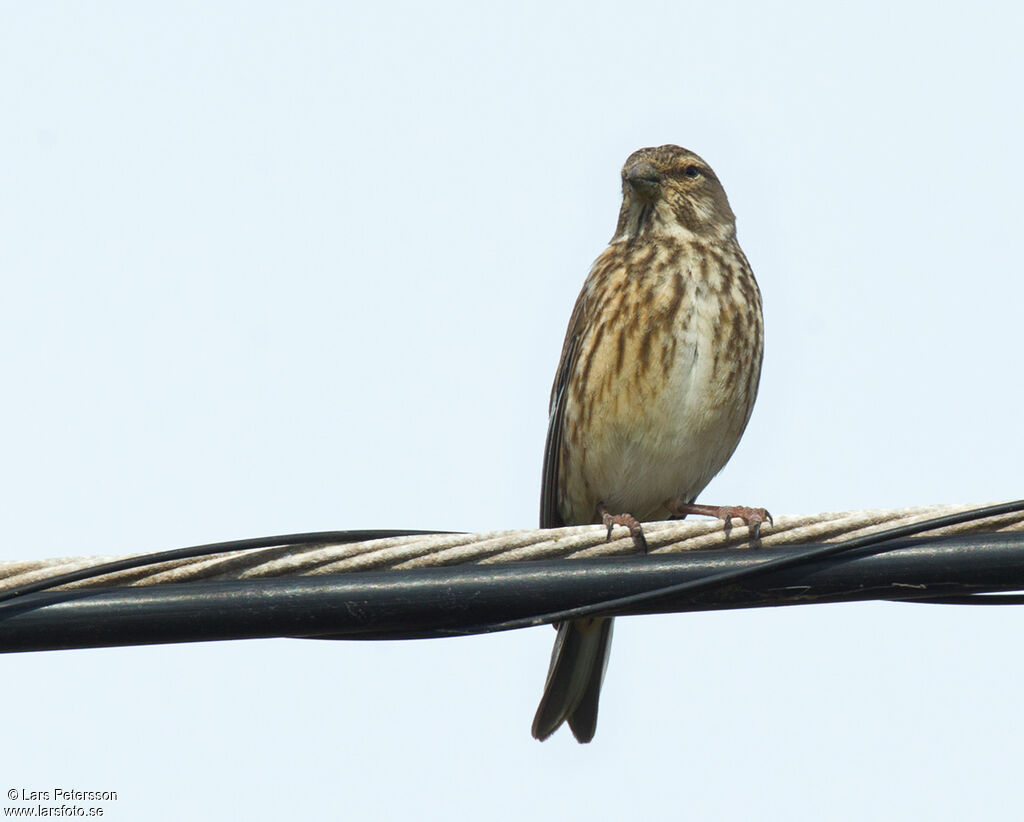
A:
(550, 516)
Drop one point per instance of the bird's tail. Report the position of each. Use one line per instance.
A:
(574, 679)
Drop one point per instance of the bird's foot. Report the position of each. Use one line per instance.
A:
(627, 520)
(752, 517)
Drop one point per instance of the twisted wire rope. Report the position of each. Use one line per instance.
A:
(406, 552)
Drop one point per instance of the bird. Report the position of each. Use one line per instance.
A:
(657, 379)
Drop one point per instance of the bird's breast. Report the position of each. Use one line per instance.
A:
(668, 370)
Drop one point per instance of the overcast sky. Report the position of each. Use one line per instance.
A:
(285, 267)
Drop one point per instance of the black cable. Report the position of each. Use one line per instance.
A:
(281, 541)
(431, 602)
(723, 578)
(713, 580)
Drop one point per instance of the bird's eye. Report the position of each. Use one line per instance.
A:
(692, 171)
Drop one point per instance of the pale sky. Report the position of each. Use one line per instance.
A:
(286, 267)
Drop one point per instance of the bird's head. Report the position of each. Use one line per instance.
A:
(671, 192)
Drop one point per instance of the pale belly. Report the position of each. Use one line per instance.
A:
(662, 435)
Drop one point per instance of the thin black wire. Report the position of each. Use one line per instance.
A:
(281, 541)
(723, 578)
(969, 599)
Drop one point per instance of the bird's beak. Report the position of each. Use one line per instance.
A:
(645, 180)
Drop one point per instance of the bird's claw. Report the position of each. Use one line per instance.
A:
(628, 521)
(753, 518)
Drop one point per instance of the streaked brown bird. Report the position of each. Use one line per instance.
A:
(657, 379)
